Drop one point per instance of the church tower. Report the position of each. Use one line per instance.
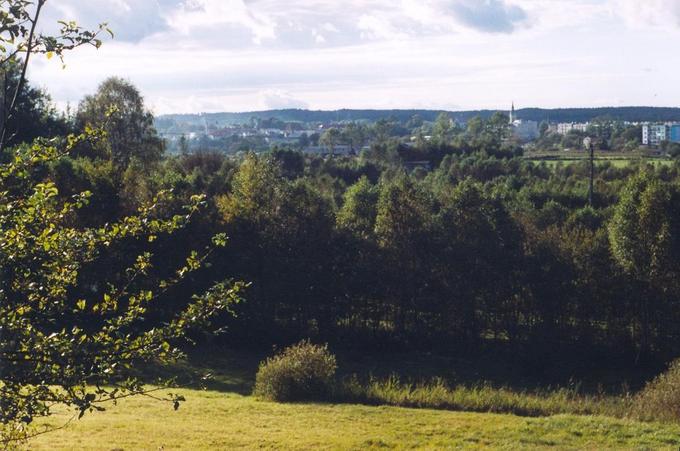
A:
(512, 113)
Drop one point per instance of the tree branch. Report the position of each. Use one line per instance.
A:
(22, 79)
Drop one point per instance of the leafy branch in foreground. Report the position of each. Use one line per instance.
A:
(56, 343)
(20, 38)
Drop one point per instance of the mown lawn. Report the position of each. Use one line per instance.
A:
(217, 420)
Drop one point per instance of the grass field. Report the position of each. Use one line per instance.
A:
(226, 417)
(216, 420)
(615, 162)
(616, 159)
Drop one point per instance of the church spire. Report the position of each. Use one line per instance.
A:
(512, 113)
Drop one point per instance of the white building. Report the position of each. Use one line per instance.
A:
(524, 130)
(566, 127)
(654, 134)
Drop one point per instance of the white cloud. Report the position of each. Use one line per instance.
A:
(215, 55)
(277, 99)
(194, 15)
(330, 28)
(655, 13)
(374, 26)
(132, 20)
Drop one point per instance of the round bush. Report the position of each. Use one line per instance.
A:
(302, 372)
(660, 399)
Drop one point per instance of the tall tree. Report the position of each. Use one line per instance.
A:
(382, 131)
(118, 108)
(442, 131)
(331, 138)
(403, 226)
(644, 235)
(355, 135)
(359, 210)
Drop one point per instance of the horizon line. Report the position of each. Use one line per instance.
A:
(417, 109)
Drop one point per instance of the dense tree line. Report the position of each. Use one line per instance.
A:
(630, 114)
(480, 250)
(487, 248)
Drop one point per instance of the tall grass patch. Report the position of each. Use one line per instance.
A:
(660, 399)
(437, 394)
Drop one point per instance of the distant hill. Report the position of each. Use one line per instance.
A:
(632, 114)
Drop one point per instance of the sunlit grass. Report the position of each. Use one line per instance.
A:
(380, 412)
(616, 162)
(214, 420)
(437, 394)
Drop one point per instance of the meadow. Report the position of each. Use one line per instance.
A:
(614, 159)
(369, 411)
(212, 420)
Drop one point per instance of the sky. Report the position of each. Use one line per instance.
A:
(192, 56)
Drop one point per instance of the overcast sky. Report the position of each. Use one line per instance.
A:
(243, 55)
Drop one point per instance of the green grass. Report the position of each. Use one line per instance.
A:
(616, 160)
(406, 380)
(382, 412)
(617, 163)
(437, 394)
(215, 420)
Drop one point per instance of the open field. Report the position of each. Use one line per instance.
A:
(616, 159)
(615, 162)
(217, 420)
(226, 417)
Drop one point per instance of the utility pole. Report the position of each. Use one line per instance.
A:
(588, 144)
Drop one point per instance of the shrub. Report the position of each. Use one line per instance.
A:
(660, 399)
(301, 372)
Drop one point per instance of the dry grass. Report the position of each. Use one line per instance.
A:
(660, 400)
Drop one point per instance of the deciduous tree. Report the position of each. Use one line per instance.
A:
(118, 108)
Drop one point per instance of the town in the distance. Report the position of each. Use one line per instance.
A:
(549, 134)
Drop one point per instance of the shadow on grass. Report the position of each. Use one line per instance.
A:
(234, 370)
(486, 383)
(225, 371)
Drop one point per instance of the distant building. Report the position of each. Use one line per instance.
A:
(582, 127)
(524, 130)
(675, 133)
(566, 127)
(654, 134)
